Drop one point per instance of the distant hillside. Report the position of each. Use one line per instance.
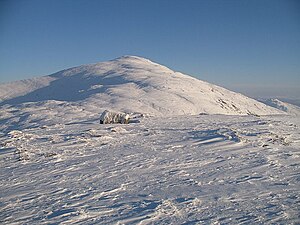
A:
(132, 84)
(283, 106)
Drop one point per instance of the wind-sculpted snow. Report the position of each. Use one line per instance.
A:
(159, 170)
(132, 84)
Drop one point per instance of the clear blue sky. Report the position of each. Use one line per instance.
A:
(252, 46)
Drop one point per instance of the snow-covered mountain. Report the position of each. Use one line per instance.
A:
(59, 165)
(284, 106)
(132, 84)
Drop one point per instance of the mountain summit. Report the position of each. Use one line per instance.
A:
(132, 84)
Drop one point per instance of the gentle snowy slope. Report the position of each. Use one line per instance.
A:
(284, 106)
(179, 170)
(18, 88)
(133, 84)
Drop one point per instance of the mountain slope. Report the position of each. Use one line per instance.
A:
(58, 165)
(132, 84)
(283, 106)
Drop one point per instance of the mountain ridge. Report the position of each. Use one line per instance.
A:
(289, 108)
(133, 84)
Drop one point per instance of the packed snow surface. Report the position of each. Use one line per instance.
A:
(201, 169)
(173, 164)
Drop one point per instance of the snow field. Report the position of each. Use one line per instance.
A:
(173, 164)
(198, 169)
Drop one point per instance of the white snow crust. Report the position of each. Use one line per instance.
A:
(205, 169)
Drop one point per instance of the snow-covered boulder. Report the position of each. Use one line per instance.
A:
(114, 117)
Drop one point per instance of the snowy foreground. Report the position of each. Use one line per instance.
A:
(179, 170)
